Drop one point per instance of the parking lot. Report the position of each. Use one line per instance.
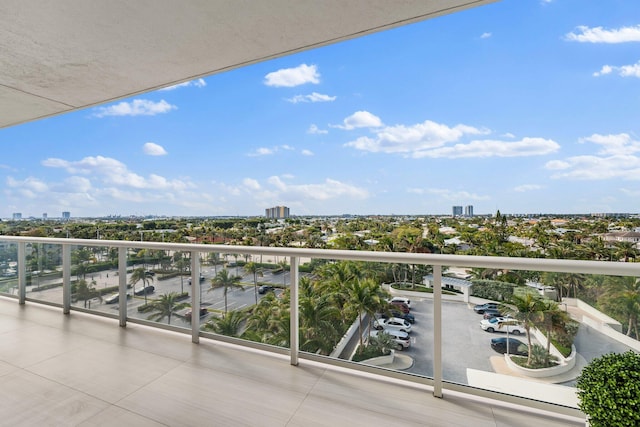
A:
(464, 343)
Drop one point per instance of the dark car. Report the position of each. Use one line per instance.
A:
(515, 346)
(202, 279)
(404, 308)
(142, 290)
(490, 313)
(265, 288)
(203, 312)
(481, 308)
(395, 313)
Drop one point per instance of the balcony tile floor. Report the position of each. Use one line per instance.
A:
(83, 370)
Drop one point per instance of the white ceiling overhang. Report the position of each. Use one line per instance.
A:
(58, 56)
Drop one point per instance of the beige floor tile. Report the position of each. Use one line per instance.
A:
(106, 371)
(30, 400)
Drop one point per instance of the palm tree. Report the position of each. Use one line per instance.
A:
(622, 298)
(140, 274)
(166, 306)
(228, 325)
(318, 324)
(625, 250)
(526, 309)
(365, 296)
(85, 292)
(253, 268)
(283, 264)
(553, 321)
(224, 280)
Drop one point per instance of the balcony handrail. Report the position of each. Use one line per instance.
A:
(295, 255)
(499, 262)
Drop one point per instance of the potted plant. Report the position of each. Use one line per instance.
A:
(609, 390)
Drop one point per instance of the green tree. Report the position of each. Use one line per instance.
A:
(225, 281)
(166, 306)
(229, 325)
(527, 309)
(141, 275)
(254, 269)
(622, 300)
(365, 297)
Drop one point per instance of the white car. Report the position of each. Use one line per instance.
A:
(401, 339)
(392, 323)
(401, 299)
(502, 324)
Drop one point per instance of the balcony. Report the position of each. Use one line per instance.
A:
(67, 364)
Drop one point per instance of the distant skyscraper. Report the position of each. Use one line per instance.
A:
(17, 215)
(44, 216)
(66, 215)
(468, 210)
(277, 212)
(457, 211)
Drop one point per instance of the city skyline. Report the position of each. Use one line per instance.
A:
(522, 106)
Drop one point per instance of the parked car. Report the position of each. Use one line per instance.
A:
(265, 288)
(392, 323)
(202, 279)
(481, 308)
(400, 306)
(395, 313)
(502, 324)
(401, 299)
(145, 289)
(114, 298)
(515, 346)
(490, 313)
(203, 312)
(401, 339)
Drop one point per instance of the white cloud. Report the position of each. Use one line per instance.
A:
(360, 119)
(291, 77)
(616, 159)
(493, 148)
(632, 70)
(527, 187)
(485, 35)
(619, 144)
(137, 107)
(153, 149)
(307, 153)
(329, 189)
(584, 34)
(599, 168)
(314, 130)
(252, 184)
(114, 172)
(265, 151)
(30, 184)
(313, 97)
(430, 139)
(194, 83)
(262, 151)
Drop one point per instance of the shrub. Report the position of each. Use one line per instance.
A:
(609, 390)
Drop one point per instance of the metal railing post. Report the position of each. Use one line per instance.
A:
(122, 285)
(22, 272)
(66, 279)
(437, 331)
(294, 312)
(195, 297)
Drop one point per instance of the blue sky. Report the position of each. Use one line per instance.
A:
(526, 106)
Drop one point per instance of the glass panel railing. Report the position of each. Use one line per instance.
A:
(8, 268)
(521, 334)
(44, 272)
